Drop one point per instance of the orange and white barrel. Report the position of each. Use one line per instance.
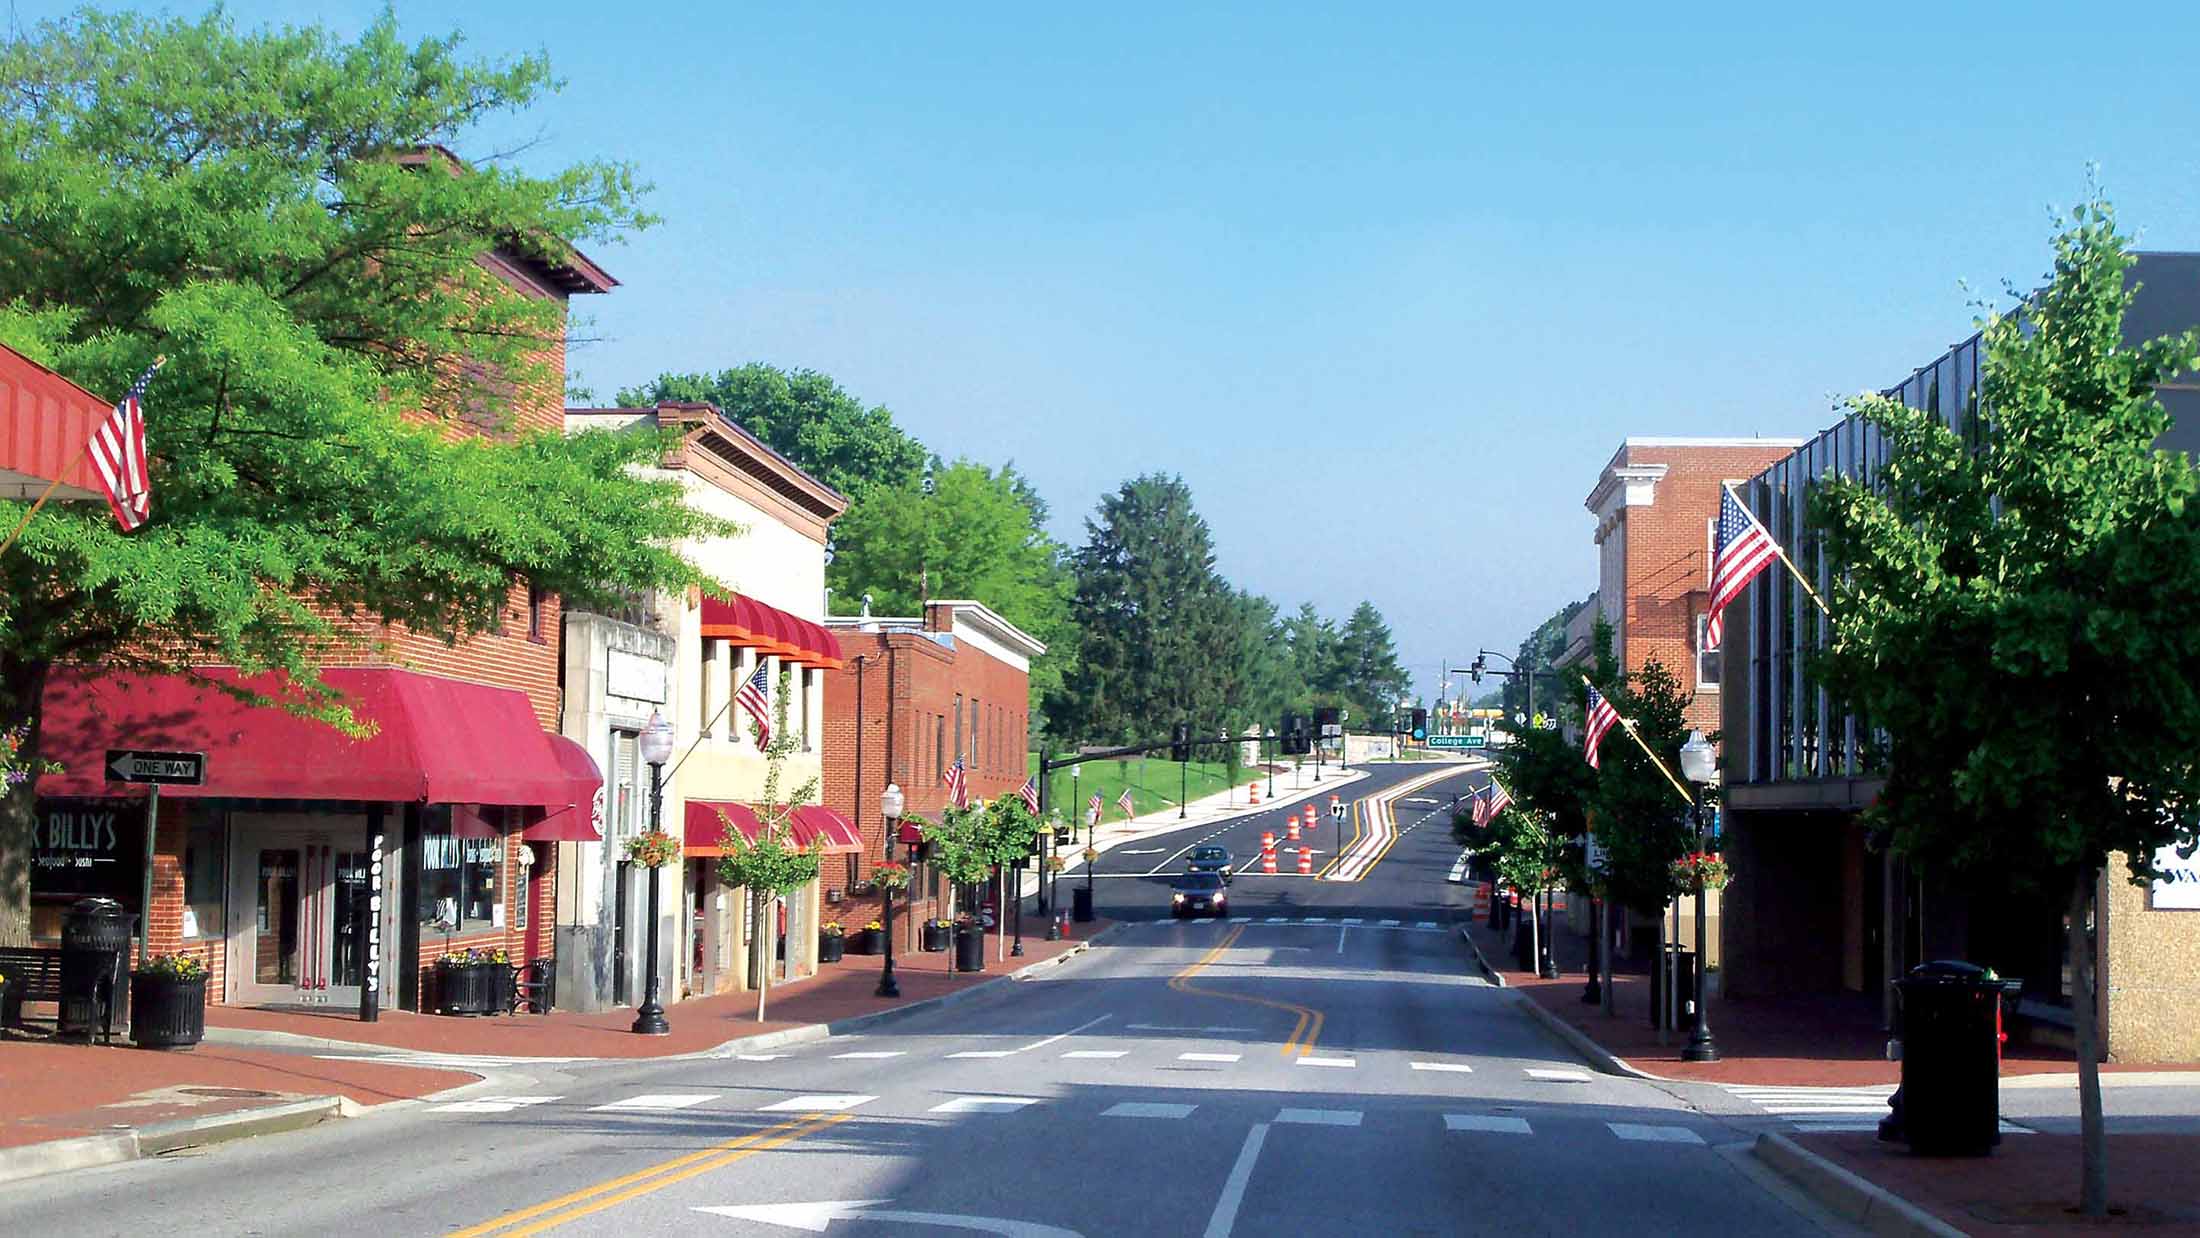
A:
(1291, 830)
(1256, 793)
(1268, 859)
(1306, 861)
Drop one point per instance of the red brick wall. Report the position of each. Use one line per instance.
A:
(1669, 558)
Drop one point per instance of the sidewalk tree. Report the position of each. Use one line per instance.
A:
(1011, 833)
(770, 866)
(333, 442)
(1642, 822)
(2012, 607)
(962, 851)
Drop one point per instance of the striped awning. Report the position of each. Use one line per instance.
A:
(759, 625)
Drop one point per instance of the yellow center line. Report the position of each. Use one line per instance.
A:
(556, 1212)
(1303, 1034)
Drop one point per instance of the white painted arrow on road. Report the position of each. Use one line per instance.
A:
(815, 1217)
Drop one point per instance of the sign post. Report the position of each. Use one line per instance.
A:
(154, 770)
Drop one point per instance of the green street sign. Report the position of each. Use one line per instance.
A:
(1458, 741)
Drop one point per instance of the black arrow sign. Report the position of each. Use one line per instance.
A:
(168, 769)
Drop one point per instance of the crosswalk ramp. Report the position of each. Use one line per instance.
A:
(1830, 1111)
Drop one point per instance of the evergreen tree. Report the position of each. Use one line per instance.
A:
(1368, 674)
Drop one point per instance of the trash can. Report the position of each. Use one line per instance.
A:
(1949, 1103)
(1684, 963)
(95, 944)
(1080, 907)
(969, 948)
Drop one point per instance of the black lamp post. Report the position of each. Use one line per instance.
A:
(1699, 763)
(890, 805)
(655, 743)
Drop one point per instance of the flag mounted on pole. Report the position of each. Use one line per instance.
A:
(1601, 718)
(755, 696)
(1030, 793)
(958, 786)
(1740, 550)
(1500, 799)
(1124, 802)
(1092, 809)
(1481, 808)
(118, 456)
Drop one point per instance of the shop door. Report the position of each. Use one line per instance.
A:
(302, 937)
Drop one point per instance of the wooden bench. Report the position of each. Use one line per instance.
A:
(34, 975)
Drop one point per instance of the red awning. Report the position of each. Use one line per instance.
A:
(45, 420)
(806, 824)
(817, 823)
(580, 818)
(437, 741)
(756, 625)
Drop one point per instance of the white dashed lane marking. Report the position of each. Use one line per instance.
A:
(1319, 1117)
(1457, 1068)
(1208, 1057)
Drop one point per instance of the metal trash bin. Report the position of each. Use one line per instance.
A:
(1949, 1103)
(1081, 905)
(95, 947)
(1684, 965)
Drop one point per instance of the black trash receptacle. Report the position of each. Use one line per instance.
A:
(1684, 962)
(95, 946)
(1951, 1057)
(970, 949)
(1080, 905)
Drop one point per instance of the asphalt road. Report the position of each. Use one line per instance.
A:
(1305, 1067)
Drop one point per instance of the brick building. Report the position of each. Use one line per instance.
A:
(955, 682)
(266, 871)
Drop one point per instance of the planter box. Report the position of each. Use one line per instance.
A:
(864, 941)
(935, 937)
(167, 1012)
(830, 947)
(481, 989)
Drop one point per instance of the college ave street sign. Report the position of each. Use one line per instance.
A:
(1458, 741)
(169, 769)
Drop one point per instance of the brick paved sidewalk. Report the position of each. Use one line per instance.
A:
(2027, 1186)
(50, 1090)
(842, 990)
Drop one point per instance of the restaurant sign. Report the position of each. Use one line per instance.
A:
(87, 847)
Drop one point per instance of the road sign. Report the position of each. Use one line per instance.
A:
(1336, 809)
(168, 769)
(1458, 741)
(1332, 730)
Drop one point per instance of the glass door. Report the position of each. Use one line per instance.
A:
(304, 941)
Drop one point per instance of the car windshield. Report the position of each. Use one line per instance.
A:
(1209, 853)
(1200, 881)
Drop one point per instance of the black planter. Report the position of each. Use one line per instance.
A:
(864, 941)
(484, 988)
(167, 1012)
(935, 937)
(830, 947)
(970, 949)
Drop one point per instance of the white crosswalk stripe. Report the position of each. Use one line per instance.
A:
(982, 1053)
(1560, 1076)
(491, 1104)
(870, 1055)
(1636, 1133)
(983, 1104)
(1458, 1068)
(823, 1104)
(1147, 1109)
(1418, 926)
(1345, 1062)
(1208, 1057)
(1096, 1055)
(1492, 1123)
(657, 1102)
(1319, 1117)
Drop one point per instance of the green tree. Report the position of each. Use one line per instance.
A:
(804, 416)
(2048, 557)
(1260, 679)
(1367, 672)
(974, 536)
(771, 866)
(272, 212)
(1642, 821)
(1312, 642)
(1154, 617)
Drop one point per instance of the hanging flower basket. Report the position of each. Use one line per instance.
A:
(1701, 870)
(891, 875)
(652, 850)
(1056, 864)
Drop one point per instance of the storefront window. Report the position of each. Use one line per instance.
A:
(205, 875)
(461, 879)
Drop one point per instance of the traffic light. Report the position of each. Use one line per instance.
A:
(1475, 671)
(1287, 735)
(1180, 742)
(1420, 724)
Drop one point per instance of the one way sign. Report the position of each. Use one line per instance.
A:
(169, 769)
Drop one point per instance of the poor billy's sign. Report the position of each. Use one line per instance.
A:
(87, 847)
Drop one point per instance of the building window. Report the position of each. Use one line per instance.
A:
(706, 696)
(537, 603)
(626, 789)
(805, 678)
(1707, 660)
(205, 876)
(939, 747)
(960, 751)
(460, 878)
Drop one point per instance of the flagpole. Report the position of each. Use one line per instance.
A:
(1628, 726)
(55, 484)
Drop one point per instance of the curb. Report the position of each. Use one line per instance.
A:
(1580, 1042)
(1873, 1207)
(55, 1156)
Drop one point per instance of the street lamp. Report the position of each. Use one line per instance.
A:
(890, 806)
(1699, 764)
(655, 743)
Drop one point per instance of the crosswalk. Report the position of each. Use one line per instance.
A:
(988, 1104)
(1830, 1111)
(1414, 926)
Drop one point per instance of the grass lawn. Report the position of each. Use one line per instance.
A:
(1154, 782)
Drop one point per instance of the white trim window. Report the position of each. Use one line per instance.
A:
(1707, 660)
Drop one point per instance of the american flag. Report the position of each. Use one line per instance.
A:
(117, 451)
(1601, 718)
(1092, 809)
(1030, 792)
(1481, 807)
(1500, 799)
(1124, 802)
(958, 787)
(1741, 549)
(755, 696)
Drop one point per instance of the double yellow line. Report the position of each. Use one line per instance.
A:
(553, 1213)
(1303, 1034)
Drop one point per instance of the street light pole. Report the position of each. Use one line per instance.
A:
(890, 804)
(1698, 764)
(655, 743)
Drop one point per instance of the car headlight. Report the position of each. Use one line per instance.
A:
(1176, 898)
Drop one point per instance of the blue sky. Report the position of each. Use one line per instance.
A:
(1386, 288)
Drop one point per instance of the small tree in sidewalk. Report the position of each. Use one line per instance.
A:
(771, 866)
(2013, 608)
